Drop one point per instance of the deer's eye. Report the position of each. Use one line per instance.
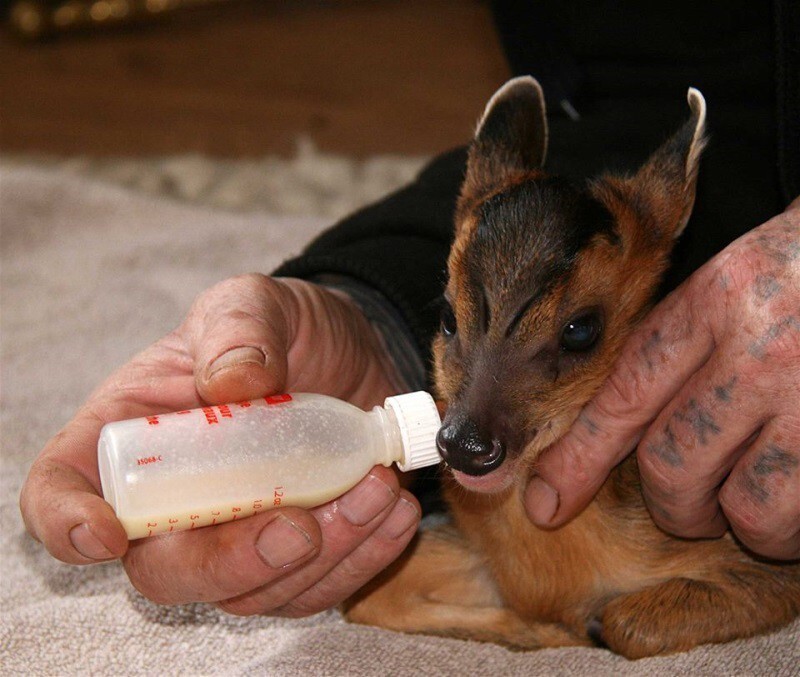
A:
(581, 332)
(448, 320)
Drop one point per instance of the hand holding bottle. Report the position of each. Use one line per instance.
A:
(243, 339)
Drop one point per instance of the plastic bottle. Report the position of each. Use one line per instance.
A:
(205, 466)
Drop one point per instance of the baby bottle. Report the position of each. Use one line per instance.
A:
(198, 467)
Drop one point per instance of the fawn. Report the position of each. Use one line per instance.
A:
(547, 278)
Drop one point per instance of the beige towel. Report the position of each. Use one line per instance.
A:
(91, 274)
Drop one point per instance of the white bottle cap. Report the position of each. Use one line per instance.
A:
(419, 422)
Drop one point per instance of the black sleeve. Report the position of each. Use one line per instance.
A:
(397, 246)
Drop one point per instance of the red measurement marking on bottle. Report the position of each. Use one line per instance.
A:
(277, 495)
(151, 420)
(151, 526)
(258, 504)
(185, 411)
(278, 399)
(216, 514)
(211, 416)
(225, 411)
(147, 460)
(193, 518)
(244, 404)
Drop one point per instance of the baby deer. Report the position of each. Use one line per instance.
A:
(547, 278)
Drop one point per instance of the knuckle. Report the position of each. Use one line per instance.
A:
(664, 480)
(241, 314)
(245, 282)
(747, 517)
(736, 268)
(220, 567)
(240, 286)
(154, 568)
(575, 463)
(149, 583)
(624, 392)
(744, 267)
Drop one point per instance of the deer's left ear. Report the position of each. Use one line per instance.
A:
(666, 183)
(511, 137)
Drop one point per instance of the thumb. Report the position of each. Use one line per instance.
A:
(61, 503)
(238, 338)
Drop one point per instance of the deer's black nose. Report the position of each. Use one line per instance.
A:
(465, 448)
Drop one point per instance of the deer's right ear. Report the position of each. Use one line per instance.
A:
(668, 180)
(511, 137)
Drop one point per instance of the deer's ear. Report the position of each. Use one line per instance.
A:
(666, 183)
(511, 137)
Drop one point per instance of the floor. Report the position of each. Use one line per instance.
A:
(245, 79)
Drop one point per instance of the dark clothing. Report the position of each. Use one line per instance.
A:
(625, 68)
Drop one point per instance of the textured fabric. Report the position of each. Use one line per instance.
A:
(90, 275)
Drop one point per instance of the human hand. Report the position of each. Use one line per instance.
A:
(244, 338)
(708, 387)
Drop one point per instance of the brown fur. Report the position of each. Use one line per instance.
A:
(609, 575)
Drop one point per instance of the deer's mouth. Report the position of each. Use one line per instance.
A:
(494, 482)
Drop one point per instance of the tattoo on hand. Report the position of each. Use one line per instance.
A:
(667, 449)
(591, 426)
(652, 341)
(700, 419)
(723, 392)
(766, 286)
(775, 459)
(758, 348)
(781, 244)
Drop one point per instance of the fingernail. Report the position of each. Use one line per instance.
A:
(541, 501)
(404, 515)
(235, 357)
(86, 543)
(366, 500)
(282, 542)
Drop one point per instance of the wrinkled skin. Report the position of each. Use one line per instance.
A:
(707, 391)
(284, 335)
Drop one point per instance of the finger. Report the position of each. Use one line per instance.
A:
(761, 497)
(693, 444)
(346, 524)
(225, 560)
(229, 560)
(238, 337)
(673, 342)
(379, 550)
(60, 501)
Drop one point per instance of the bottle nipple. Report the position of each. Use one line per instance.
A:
(418, 421)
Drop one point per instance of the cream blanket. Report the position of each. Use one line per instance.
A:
(91, 273)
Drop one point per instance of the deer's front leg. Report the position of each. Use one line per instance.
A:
(442, 587)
